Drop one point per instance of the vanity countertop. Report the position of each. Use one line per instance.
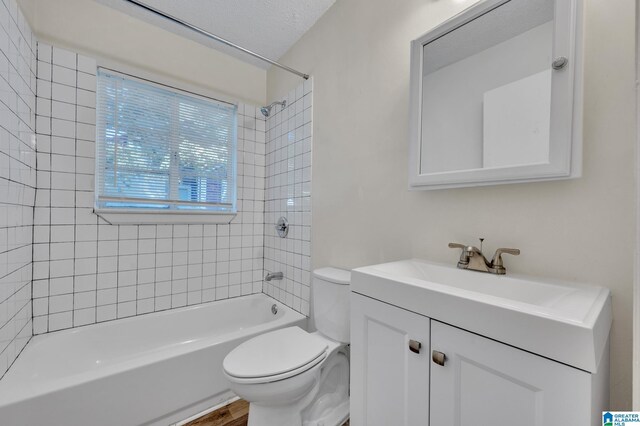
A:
(566, 322)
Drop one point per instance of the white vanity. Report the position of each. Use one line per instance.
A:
(439, 346)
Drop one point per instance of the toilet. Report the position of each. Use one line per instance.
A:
(292, 377)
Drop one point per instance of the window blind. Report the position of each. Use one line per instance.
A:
(162, 149)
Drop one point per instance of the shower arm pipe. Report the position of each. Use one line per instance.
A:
(215, 37)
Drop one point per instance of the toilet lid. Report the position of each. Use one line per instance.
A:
(274, 353)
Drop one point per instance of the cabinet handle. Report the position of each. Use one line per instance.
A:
(415, 346)
(438, 357)
(559, 63)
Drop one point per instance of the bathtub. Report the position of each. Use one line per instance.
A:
(153, 369)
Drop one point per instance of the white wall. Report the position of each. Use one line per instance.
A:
(582, 230)
(88, 27)
(17, 179)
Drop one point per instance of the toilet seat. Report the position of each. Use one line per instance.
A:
(275, 356)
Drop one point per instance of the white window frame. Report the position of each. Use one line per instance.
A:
(145, 216)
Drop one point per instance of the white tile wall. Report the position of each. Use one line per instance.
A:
(17, 179)
(87, 271)
(289, 141)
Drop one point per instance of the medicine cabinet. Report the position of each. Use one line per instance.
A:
(496, 96)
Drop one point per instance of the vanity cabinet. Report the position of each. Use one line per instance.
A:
(479, 381)
(484, 382)
(389, 381)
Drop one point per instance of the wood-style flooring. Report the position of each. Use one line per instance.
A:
(234, 414)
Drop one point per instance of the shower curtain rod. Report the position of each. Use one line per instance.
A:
(216, 38)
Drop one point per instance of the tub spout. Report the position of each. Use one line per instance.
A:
(274, 276)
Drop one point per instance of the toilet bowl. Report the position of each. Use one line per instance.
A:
(293, 377)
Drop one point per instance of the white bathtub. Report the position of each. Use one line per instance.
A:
(153, 369)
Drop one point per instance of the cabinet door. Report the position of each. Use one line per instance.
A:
(484, 382)
(389, 381)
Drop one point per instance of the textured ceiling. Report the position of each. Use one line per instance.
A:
(267, 27)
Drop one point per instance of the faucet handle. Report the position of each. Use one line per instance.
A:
(464, 255)
(496, 262)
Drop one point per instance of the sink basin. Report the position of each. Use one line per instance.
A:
(566, 322)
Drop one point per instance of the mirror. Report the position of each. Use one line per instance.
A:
(494, 96)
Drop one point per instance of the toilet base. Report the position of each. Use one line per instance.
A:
(336, 417)
(327, 404)
(266, 416)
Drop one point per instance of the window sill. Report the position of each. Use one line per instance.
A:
(128, 217)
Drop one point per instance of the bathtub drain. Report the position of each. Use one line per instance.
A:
(274, 309)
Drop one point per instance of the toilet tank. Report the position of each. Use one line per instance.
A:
(331, 302)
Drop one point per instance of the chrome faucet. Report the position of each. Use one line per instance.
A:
(473, 259)
(274, 276)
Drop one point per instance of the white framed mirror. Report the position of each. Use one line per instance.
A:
(496, 96)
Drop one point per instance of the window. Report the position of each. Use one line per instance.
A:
(162, 150)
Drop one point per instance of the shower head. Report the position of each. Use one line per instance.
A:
(266, 110)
